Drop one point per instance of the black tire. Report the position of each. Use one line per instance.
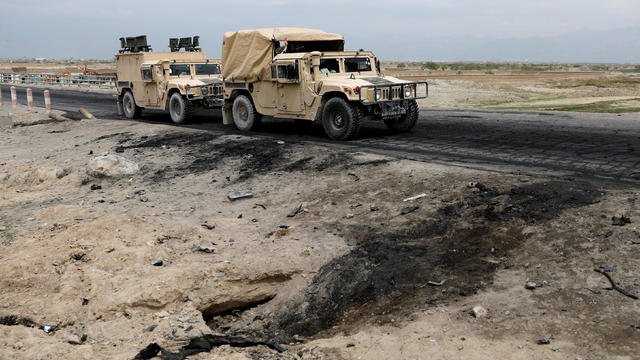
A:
(407, 121)
(245, 115)
(180, 109)
(340, 120)
(129, 107)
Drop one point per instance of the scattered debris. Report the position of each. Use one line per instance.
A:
(530, 285)
(355, 177)
(613, 284)
(150, 328)
(86, 114)
(204, 344)
(415, 197)
(374, 208)
(440, 283)
(47, 328)
(409, 210)
(280, 142)
(479, 311)
(620, 221)
(156, 262)
(208, 226)
(545, 341)
(78, 256)
(95, 187)
(295, 211)
(77, 339)
(144, 198)
(85, 302)
(118, 149)
(242, 194)
(262, 206)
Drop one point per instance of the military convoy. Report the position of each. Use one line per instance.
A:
(281, 72)
(177, 82)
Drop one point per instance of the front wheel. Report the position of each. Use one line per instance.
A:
(244, 113)
(129, 107)
(407, 121)
(180, 109)
(341, 121)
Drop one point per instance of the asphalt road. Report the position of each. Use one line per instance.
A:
(601, 145)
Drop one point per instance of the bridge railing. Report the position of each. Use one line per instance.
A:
(79, 80)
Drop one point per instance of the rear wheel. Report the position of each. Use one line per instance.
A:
(129, 107)
(407, 121)
(341, 121)
(245, 115)
(180, 109)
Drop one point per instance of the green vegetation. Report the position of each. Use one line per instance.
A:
(634, 70)
(6, 238)
(600, 83)
(402, 65)
(608, 106)
(430, 65)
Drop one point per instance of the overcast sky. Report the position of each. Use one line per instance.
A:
(517, 30)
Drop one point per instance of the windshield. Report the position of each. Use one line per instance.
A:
(357, 64)
(207, 69)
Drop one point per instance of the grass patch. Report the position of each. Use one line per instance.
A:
(6, 238)
(600, 83)
(609, 107)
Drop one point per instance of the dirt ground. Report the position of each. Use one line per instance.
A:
(325, 261)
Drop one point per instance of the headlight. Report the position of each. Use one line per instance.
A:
(205, 90)
(378, 94)
(407, 91)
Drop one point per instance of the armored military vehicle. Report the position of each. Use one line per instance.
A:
(174, 81)
(306, 74)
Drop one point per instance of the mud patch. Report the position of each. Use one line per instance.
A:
(390, 271)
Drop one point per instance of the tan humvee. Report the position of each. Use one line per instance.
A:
(312, 79)
(178, 82)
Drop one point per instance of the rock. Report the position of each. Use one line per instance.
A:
(144, 198)
(52, 174)
(156, 262)
(161, 314)
(77, 339)
(479, 312)
(112, 166)
(206, 247)
(409, 210)
(208, 226)
(95, 187)
(530, 285)
(620, 221)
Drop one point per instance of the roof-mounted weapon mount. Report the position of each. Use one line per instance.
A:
(186, 43)
(134, 44)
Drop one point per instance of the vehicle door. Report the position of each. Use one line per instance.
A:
(288, 85)
(150, 96)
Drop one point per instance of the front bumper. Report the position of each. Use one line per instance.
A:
(392, 92)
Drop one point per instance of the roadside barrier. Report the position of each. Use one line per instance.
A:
(0, 97)
(14, 97)
(80, 80)
(30, 98)
(47, 100)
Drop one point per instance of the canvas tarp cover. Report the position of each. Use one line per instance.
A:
(247, 54)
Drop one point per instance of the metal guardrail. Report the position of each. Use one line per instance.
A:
(101, 81)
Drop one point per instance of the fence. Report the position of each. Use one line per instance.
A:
(101, 81)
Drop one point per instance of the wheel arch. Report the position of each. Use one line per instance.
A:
(325, 97)
(170, 93)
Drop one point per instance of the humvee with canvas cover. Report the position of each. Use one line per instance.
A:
(312, 79)
(177, 82)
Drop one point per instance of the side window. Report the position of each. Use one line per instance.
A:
(288, 72)
(147, 74)
(329, 66)
(274, 73)
(179, 70)
(357, 64)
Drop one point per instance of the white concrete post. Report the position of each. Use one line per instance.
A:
(14, 97)
(0, 96)
(29, 98)
(47, 100)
